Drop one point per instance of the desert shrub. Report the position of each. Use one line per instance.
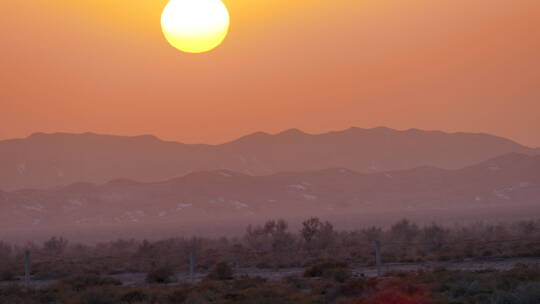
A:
(85, 281)
(274, 244)
(529, 293)
(55, 245)
(161, 275)
(504, 297)
(221, 271)
(7, 275)
(275, 293)
(481, 286)
(205, 292)
(178, 296)
(245, 282)
(47, 296)
(434, 237)
(326, 290)
(394, 291)
(297, 282)
(481, 298)
(421, 287)
(391, 296)
(356, 287)
(519, 285)
(339, 275)
(523, 272)
(13, 294)
(134, 296)
(318, 270)
(338, 271)
(462, 287)
(99, 296)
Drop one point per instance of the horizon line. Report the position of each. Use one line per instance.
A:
(263, 133)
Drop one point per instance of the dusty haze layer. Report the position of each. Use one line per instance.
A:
(103, 66)
(220, 202)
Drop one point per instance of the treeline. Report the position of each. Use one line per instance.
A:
(274, 245)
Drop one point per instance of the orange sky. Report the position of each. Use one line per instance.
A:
(104, 66)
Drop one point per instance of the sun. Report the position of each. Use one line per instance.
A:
(195, 26)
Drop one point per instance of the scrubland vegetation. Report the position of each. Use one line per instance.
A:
(520, 285)
(81, 273)
(273, 245)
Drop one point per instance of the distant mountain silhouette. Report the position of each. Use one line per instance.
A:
(509, 182)
(48, 160)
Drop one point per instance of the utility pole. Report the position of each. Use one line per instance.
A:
(192, 262)
(27, 261)
(378, 263)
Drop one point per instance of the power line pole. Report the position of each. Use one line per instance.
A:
(27, 261)
(378, 262)
(192, 262)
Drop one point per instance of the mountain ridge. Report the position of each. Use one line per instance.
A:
(507, 159)
(294, 131)
(508, 182)
(48, 160)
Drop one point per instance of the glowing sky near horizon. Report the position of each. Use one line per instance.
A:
(104, 66)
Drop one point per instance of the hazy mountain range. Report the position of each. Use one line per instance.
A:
(49, 160)
(509, 182)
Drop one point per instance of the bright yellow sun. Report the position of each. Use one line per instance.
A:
(195, 26)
